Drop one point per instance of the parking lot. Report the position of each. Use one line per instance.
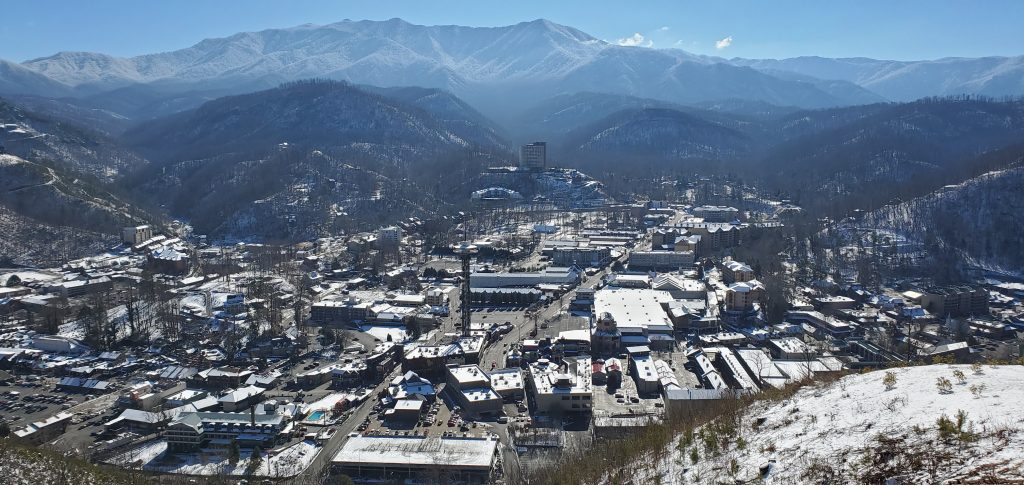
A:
(30, 400)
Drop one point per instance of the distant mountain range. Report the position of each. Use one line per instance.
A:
(909, 80)
(233, 136)
(497, 69)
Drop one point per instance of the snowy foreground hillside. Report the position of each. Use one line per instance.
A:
(859, 430)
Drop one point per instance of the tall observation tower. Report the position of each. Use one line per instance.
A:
(465, 252)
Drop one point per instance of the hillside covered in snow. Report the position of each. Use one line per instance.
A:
(929, 424)
(991, 205)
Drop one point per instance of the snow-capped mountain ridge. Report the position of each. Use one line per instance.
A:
(477, 53)
(516, 62)
(909, 80)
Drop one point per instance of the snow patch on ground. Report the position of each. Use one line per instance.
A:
(850, 427)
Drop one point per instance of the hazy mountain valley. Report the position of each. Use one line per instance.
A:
(376, 251)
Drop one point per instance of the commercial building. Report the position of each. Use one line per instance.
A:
(168, 260)
(44, 430)
(825, 325)
(790, 348)
(429, 459)
(581, 256)
(562, 387)
(508, 383)
(833, 304)
(435, 297)
(533, 156)
(241, 398)
(643, 371)
(191, 431)
(660, 260)
(471, 389)
(504, 296)
(75, 288)
(679, 287)
(634, 317)
(556, 276)
(411, 385)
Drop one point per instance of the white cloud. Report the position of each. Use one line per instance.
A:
(722, 44)
(636, 40)
(663, 29)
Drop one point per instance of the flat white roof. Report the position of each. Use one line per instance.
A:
(546, 376)
(506, 379)
(634, 307)
(408, 405)
(417, 452)
(468, 374)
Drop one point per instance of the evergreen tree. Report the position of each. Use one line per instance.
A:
(233, 453)
(255, 460)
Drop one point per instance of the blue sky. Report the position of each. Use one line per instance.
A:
(890, 29)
